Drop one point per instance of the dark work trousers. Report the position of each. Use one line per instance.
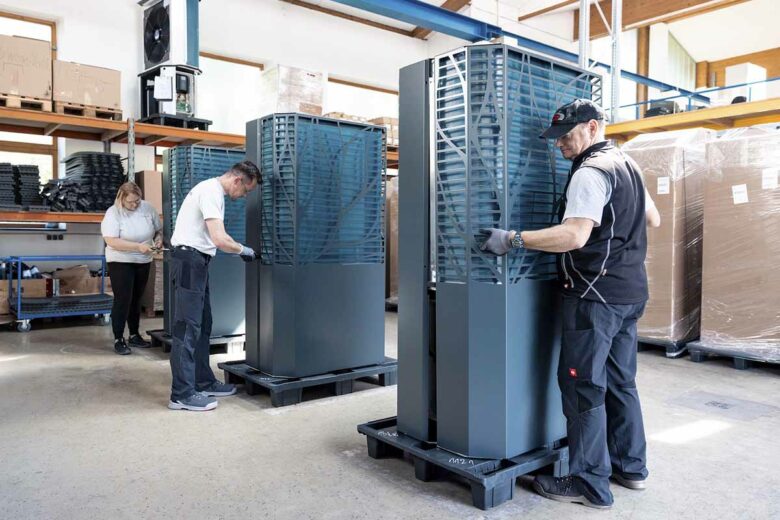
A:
(128, 281)
(596, 374)
(191, 323)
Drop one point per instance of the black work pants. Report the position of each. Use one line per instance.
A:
(596, 374)
(128, 281)
(191, 323)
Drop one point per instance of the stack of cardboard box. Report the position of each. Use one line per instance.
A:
(391, 124)
(77, 86)
(674, 168)
(25, 72)
(287, 89)
(391, 240)
(741, 281)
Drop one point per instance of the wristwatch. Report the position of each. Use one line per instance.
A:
(517, 240)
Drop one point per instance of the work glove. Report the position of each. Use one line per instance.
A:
(496, 241)
(247, 254)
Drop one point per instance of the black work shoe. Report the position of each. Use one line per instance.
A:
(630, 482)
(121, 348)
(137, 341)
(564, 489)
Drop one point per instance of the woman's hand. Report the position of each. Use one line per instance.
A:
(144, 249)
(158, 244)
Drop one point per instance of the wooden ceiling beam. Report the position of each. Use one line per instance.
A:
(352, 18)
(451, 5)
(641, 13)
(547, 9)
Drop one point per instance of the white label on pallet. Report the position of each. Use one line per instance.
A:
(769, 178)
(739, 193)
(663, 185)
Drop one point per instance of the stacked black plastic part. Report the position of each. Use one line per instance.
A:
(7, 190)
(27, 185)
(90, 184)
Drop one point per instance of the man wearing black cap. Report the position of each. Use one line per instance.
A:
(602, 239)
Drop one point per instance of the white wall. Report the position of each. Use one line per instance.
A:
(270, 31)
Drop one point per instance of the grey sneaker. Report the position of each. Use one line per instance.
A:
(197, 402)
(218, 389)
(629, 482)
(564, 489)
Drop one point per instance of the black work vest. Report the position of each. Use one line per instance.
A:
(610, 267)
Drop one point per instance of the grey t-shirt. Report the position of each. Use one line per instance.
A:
(137, 226)
(588, 193)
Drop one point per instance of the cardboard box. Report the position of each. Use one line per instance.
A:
(391, 125)
(150, 182)
(5, 307)
(287, 89)
(87, 85)
(33, 288)
(346, 117)
(73, 280)
(741, 281)
(391, 237)
(674, 168)
(152, 299)
(25, 67)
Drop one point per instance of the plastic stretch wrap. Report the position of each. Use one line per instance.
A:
(674, 168)
(741, 279)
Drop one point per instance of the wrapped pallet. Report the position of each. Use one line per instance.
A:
(674, 168)
(288, 89)
(741, 281)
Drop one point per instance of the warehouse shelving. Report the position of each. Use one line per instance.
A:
(717, 118)
(108, 131)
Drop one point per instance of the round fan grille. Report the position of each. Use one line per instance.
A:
(157, 33)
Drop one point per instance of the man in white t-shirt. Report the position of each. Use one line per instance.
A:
(199, 232)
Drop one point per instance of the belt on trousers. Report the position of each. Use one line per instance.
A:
(188, 248)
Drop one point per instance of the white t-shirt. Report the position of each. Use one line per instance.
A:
(136, 226)
(206, 200)
(588, 193)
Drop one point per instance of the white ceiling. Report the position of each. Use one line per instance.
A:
(732, 31)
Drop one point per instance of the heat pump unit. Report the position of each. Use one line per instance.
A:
(170, 32)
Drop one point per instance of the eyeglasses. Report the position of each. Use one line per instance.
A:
(134, 201)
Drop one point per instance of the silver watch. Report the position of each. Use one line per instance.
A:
(517, 241)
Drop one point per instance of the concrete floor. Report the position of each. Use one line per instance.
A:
(86, 434)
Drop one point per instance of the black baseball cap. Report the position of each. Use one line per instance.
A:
(570, 115)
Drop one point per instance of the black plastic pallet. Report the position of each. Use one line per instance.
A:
(741, 360)
(160, 338)
(674, 349)
(287, 391)
(177, 121)
(492, 481)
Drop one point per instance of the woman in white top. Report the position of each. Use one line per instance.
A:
(131, 228)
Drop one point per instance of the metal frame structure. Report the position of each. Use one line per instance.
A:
(24, 317)
(477, 334)
(315, 300)
(455, 24)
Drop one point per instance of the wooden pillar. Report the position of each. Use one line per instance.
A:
(702, 74)
(642, 64)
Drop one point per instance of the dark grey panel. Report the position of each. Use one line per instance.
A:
(414, 361)
(252, 279)
(324, 317)
(497, 356)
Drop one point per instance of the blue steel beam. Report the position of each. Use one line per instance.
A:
(464, 27)
(429, 16)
